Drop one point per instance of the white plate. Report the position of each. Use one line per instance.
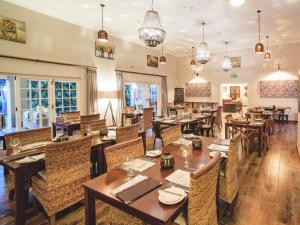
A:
(153, 153)
(169, 198)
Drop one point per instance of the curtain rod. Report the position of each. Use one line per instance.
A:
(150, 74)
(45, 61)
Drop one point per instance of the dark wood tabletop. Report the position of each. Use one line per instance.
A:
(147, 207)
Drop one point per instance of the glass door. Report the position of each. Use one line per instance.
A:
(141, 95)
(33, 103)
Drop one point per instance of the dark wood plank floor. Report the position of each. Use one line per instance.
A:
(269, 189)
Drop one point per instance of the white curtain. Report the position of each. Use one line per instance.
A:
(120, 85)
(92, 106)
(164, 95)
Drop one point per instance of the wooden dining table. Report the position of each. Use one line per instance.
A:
(258, 125)
(24, 171)
(147, 208)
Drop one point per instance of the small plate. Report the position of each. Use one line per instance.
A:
(166, 197)
(153, 153)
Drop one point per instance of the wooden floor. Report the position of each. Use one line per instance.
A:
(269, 189)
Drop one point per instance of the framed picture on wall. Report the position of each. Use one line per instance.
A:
(12, 30)
(104, 51)
(152, 61)
(236, 61)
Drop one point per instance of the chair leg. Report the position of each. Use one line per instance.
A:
(154, 142)
(52, 219)
(35, 206)
(11, 195)
(207, 132)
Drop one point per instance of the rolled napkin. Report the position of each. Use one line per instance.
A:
(223, 154)
(128, 184)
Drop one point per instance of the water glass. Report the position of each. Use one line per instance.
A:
(185, 154)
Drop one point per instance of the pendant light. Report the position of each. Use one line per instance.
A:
(226, 64)
(102, 34)
(151, 31)
(267, 54)
(259, 47)
(203, 53)
(193, 62)
(162, 59)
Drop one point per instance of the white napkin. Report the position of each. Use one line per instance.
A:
(141, 165)
(223, 154)
(128, 184)
(29, 159)
(182, 141)
(184, 120)
(189, 135)
(169, 121)
(111, 134)
(215, 147)
(180, 177)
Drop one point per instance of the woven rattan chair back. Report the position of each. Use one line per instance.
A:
(95, 125)
(147, 118)
(202, 207)
(116, 154)
(218, 120)
(68, 161)
(127, 133)
(171, 134)
(28, 136)
(70, 116)
(229, 181)
(90, 117)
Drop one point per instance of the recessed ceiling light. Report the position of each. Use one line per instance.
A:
(237, 2)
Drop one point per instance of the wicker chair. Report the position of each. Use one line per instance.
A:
(202, 204)
(95, 125)
(127, 133)
(218, 120)
(114, 157)
(208, 126)
(90, 117)
(147, 118)
(26, 137)
(228, 188)
(247, 135)
(157, 128)
(170, 135)
(70, 116)
(67, 167)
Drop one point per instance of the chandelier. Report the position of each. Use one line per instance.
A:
(162, 59)
(203, 53)
(151, 31)
(259, 47)
(267, 54)
(102, 34)
(226, 64)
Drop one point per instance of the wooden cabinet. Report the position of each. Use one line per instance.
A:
(234, 92)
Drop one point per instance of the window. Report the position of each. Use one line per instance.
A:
(65, 96)
(34, 101)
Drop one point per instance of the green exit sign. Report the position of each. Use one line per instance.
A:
(233, 76)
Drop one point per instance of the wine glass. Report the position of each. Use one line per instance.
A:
(15, 144)
(88, 128)
(185, 154)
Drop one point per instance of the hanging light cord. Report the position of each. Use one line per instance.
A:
(102, 5)
(226, 43)
(258, 12)
(152, 5)
(267, 43)
(162, 49)
(203, 32)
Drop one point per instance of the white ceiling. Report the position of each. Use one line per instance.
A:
(182, 20)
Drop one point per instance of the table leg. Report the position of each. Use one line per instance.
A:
(226, 131)
(53, 130)
(21, 199)
(260, 142)
(94, 163)
(90, 209)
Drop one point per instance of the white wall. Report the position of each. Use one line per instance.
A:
(253, 69)
(52, 39)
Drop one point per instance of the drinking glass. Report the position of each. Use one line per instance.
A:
(185, 154)
(15, 144)
(128, 166)
(88, 128)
